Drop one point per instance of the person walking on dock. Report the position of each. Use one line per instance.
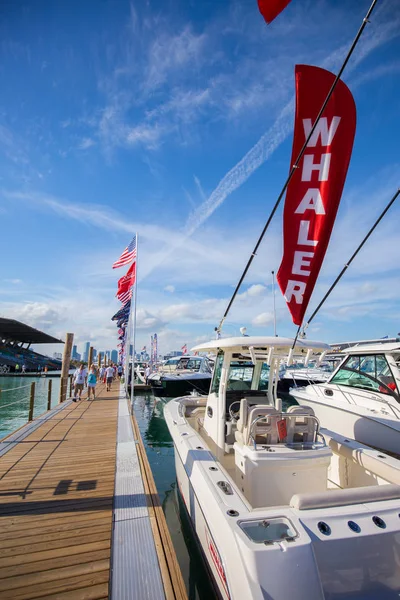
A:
(109, 376)
(91, 382)
(79, 382)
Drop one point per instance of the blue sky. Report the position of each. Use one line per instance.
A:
(174, 118)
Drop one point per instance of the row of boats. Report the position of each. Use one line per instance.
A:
(302, 503)
(186, 374)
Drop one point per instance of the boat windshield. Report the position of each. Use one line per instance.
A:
(193, 364)
(243, 376)
(370, 372)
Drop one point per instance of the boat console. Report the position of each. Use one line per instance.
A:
(282, 449)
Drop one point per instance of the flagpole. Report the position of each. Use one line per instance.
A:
(134, 326)
(296, 164)
(273, 292)
(127, 350)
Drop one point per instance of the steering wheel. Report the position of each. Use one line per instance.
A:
(234, 414)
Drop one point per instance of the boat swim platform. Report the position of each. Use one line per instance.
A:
(80, 516)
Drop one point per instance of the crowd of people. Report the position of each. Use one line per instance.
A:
(82, 377)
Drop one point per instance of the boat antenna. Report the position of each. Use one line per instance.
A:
(346, 266)
(296, 164)
(273, 295)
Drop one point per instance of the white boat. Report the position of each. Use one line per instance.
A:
(192, 373)
(361, 399)
(282, 509)
(300, 375)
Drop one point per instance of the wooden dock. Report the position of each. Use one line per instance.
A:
(79, 512)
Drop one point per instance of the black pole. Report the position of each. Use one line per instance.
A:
(296, 164)
(346, 266)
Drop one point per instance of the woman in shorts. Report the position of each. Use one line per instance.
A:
(91, 382)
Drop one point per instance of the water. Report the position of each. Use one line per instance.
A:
(15, 391)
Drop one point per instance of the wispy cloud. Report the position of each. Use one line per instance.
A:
(86, 143)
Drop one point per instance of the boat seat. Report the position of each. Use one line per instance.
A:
(265, 429)
(301, 429)
(385, 468)
(360, 495)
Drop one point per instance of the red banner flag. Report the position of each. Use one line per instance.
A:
(127, 281)
(270, 9)
(313, 194)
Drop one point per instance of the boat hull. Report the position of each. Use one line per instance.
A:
(201, 530)
(179, 386)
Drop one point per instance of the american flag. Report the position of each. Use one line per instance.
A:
(123, 312)
(127, 256)
(184, 348)
(125, 296)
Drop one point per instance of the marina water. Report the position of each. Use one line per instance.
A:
(14, 400)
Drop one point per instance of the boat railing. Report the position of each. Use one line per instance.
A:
(279, 416)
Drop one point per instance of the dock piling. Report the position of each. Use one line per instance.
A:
(31, 401)
(65, 367)
(49, 395)
(90, 357)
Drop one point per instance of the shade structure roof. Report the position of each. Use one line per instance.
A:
(283, 343)
(19, 332)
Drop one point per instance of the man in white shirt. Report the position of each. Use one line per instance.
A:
(79, 382)
(109, 376)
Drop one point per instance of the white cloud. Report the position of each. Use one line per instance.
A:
(169, 288)
(170, 53)
(86, 143)
(146, 134)
(263, 319)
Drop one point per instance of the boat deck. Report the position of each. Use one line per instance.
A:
(79, 513)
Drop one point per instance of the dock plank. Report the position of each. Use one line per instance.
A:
(56, 502)
(68, 505)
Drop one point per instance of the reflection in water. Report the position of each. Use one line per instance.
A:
(149, 413)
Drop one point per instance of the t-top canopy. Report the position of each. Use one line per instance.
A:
(380, 348)
(281, 345)
(16, 331)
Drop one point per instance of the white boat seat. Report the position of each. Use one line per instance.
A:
(301, 429)
(265, 431)
(360, 495)
(362, 455)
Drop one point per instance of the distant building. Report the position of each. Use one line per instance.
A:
(173, 354)
(114, 356)
(86, 352)
(75, 354)
(94, 355)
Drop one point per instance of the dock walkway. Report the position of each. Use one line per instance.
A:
(79, 515)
